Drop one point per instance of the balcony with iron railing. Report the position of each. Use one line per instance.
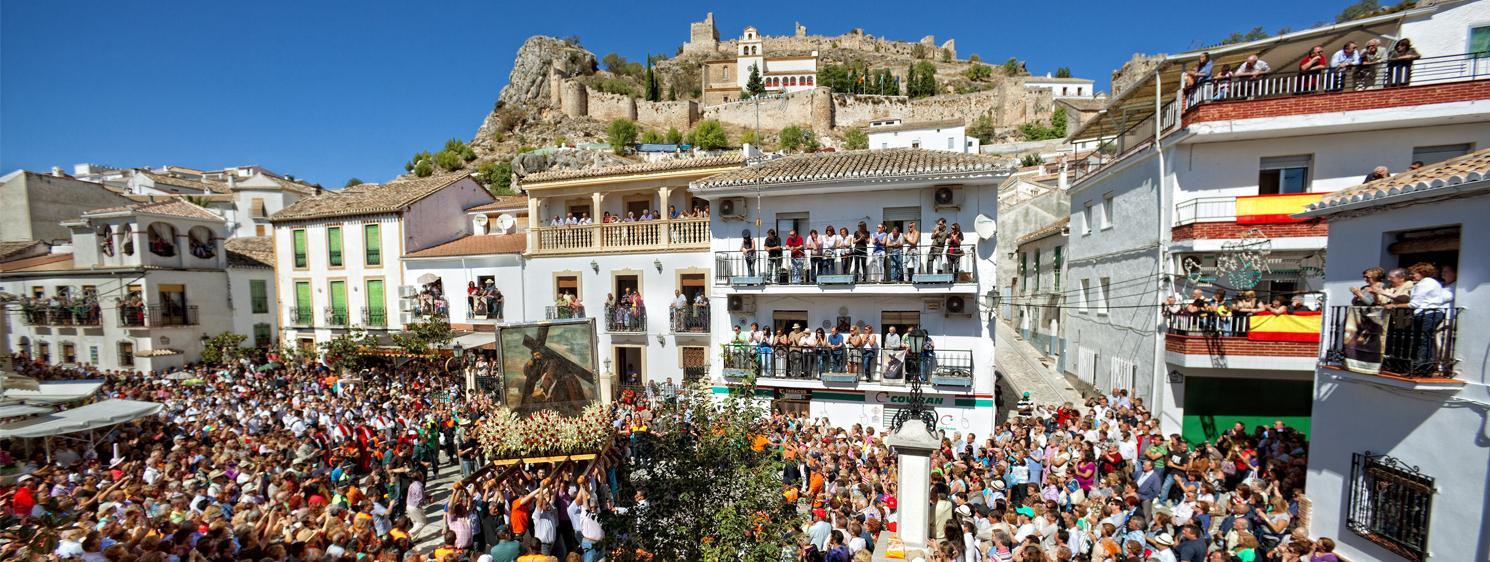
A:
(373, 256)
(374, 318)
(1217, 337)
(260, 305)
(1227, 217)
(88, 314)
(172, 315)
(563, 312)
(665, 235)
(625, 319)
(690, 319)
(953, 368)
(1427, 80)
(333, 257)
(922, 268)
(300, 316)
(336, 316)
(1397, 344)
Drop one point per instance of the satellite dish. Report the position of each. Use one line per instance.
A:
(506, 223)
(984, 226)
(480, 220)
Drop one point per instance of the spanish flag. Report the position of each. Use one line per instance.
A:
(1299, 327)
(1273, 209)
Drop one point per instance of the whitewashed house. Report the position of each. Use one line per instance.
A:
(938, 299)
(950, 136)
(1397, 457)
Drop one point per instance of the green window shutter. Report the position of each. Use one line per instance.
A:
(1479, 40)
(333, 246)
(372, 239)
(339, 301)
(302, 301)
(258, 295)
(375, 297)
(300, 256)
(1057, 268)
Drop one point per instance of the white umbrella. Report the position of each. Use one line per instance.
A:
(427, 278)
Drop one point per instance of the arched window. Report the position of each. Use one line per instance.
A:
(105, 234)
(127, 234)
(807, 80)
(202, 245)
(162, 239)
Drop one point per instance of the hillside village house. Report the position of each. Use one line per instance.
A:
(587, 270)
(337, 255)
(1396, 463)
(142, 289)
(724, 79)
(950, 135)
(1210, 207)
(483, 270)
(932, 298)
(1042, 288)
(36, 204)
(1062, 88)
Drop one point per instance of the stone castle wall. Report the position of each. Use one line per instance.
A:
(824, 110)
(775, 112)
(578, 100)
(609, 107)
(667, 114)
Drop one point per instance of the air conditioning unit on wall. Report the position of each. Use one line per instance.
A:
(732, 208)
(947, 197)
(741, 304)
(957, 306)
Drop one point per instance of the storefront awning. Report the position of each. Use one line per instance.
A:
(18, 410)
(477, 340)
(97, 415)
(55, 392)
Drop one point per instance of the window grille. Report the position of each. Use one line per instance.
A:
(1390, 503)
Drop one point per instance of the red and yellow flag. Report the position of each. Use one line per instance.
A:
(1272, 209)
(1299, 326)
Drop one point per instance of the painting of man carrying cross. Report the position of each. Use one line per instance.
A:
(548, 366)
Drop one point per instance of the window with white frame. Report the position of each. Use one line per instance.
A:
(1103, 293)
(1086, 218)
(1107, 211)
(1439, 153)
(1278, 175)
(1086, 295)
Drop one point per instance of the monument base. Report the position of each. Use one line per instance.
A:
(882, 550)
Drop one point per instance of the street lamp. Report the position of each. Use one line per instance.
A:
(916, 407)
(916, 339)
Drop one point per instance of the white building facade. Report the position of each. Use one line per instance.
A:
(1396, 463)
(1210, 206)
(1062, 88)
(935, 297)
(949, 136)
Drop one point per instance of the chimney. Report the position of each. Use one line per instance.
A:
(57, 171)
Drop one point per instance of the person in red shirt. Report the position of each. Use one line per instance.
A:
(794, 245)
(24, 499)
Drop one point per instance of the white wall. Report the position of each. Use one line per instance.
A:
(930, 139)
(507, 271)
(240, 281)
(353, 269)
(1445, 32)
(441, 217)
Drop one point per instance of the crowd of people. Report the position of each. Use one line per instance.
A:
(1352, 67)
(584, 218)
(486, 300)
(432, 300)
(1221, 314)
(885, 255)
(1398, 320)
(628, 314)
(805, 353)
(63, 308)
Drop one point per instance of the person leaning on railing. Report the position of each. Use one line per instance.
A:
(1429, 303)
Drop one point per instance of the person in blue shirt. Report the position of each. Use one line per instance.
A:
(835, 351)
(1201, 73)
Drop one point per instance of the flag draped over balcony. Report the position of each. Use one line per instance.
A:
(1299, 327)
(1273, 209)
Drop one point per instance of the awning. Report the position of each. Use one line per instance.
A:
(55, 392)
(97, 415)
(477, 340)
(18, 410)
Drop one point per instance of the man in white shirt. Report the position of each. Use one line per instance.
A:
(1429, 305)
(1341, 62)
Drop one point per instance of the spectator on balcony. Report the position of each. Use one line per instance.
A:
(830, 244)
(1248, 72)
(679, 310)
(747, 252)
(630, 217)
(938, 247)
(814, 352)
(471, 291)
(894, 245)
(773, 256)
(672, 212)
(584, 218)
(1342, 63)
(868, 346)
(1429, 303)
(1377, 173)
(765, 351)
(1200, 74)
(955, 240)
(794, 246)
(845, 250)
(1247, 304)
(1223, 82)
(1448, 277)
(836, 350)
(894, 354)
(784, 343)
(877, 253)
(1199, 305)
(813, 246)
(1370, 58)
(1312, 65)
(1399, 63)
(912, 242)
(861, 252)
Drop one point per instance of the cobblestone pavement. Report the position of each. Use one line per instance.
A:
(1019, 364)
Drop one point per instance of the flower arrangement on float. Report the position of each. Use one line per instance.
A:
(503, 434)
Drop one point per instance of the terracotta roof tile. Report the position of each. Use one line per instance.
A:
(39, 262)
(851, 165)
(668, 165)
(476, 245)
(504, 202)
(1472, 167)
(366, 199)
(174, 207)
(8, 249)
(1046, 230)
(250, 251)
(203, 186)
(294, 186)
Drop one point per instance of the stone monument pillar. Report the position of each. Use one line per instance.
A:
(913, 444)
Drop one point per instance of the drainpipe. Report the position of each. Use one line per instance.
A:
(1161, 247)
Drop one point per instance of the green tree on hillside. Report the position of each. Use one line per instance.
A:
(653, 89)
(754, 85)
(856, 139)
(983, 128)
(709, 135)
(353, 182)
(1012, 67)
(651, 137)
(978, 72)
(792, 138)
(497, 176)
(620, 134)
(673, 136)
(1063, 72)
(921, 80)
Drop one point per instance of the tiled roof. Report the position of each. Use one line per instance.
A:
(53, 260)
(250, 251)
(153, 197)
(672, 164)
(503, 203)
(8, 249)
(203, 186)
(365, 199)
(918, 126)
(174, 206)
(476, 245)
(294, 186)
(1046, 230)
(851, 165)
(1472, 167)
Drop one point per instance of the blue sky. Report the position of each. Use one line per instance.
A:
(328, 90)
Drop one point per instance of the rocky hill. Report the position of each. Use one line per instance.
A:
(557, 93)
